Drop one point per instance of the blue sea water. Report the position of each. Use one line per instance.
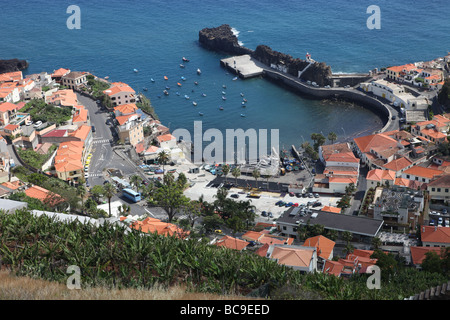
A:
(152, 36)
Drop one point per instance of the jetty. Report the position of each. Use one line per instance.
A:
(244, 66)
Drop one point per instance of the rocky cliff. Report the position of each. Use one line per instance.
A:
(12, 65)
(222, 39)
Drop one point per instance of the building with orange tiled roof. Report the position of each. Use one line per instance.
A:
(378, 177)
(65, 97)
(421, 174)
(301, 258)
(9, 94)
(333, 267)
(323, 245)
(120, 93)
(231, 243)
(125, 109)
(418, 254)
(264, 238)
(331, 209)
(399, 165)
(44, 195)
(11, 76)
(433, 236)
(166, 141)
(8, 112)
(58, 74)
(11, 130)
(152, 225)
(81, 117)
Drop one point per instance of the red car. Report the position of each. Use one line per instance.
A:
(295, 205)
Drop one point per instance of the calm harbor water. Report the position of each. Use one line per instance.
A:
(152, 36)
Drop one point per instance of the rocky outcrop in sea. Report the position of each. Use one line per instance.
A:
(13, 65)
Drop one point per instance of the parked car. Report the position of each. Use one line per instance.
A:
(264, 214)
(310, 195)
(235, 195)
(37, 124)
(270, 215)
(316, 195)
(317, 204)
(291, 194)
(298, 195)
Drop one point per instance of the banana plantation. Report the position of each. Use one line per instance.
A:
(114, 256)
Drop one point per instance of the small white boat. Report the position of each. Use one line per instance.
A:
(186, 97)
(235, 78)
(199, 71)
(242, 115)
(220, 108)
(194, 103)
(135, 70)
(152, 80)
(242, 94)
(183, 78)
(203, 94)
(181, 65)
(224, 93)
(200, 113)
(224, 86)
(223, 98)
(185, 60)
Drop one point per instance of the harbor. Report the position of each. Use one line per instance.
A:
(244, 66)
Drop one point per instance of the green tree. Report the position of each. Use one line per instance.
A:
(332, 137)
(162, 158)
(81, 192)
(170, 197)
(376, 242)
(236, 172)
(226, 171)
(182, 180)
(97, 192)
(136, 181)
(109, 191)
(256, 174)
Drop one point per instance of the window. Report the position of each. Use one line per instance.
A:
(446, 190)
(438, 189)
(433, 189)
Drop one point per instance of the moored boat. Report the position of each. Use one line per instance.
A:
(152, 80)
(183, 78)
(199, 71)
(178, 84)
(200, 113)
(235, 78)
(194, 103)
(223, 98)
(186, 97)
(185, 60)
(196, 83)
(220, 108)
(181, 65)
(242, 115)
(165, 78)
(166, 92)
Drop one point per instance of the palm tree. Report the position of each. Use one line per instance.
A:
(256, 174)
(81, 192)
(162, 158)
(332, 137)
(376, 242)
(226, 171)
(109, 191)
(236, 172)
(135, 180)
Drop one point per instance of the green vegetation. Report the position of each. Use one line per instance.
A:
(41, 111)
(146, 106)
(444, 94)
(97, 86)
(110, 257)
(35, 159)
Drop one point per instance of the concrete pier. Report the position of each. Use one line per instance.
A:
(244, 66)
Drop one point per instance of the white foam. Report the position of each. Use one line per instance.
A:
(235, 32)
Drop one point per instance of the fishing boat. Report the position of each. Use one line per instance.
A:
(165, 78)
(244, 100)
(177, 93)
(186, 97)
(220, 108)
(178, 84)
(224, 93)
(224, 86)
(152, 80)
(194, 103)
(183, 78)
(242, 94)
(167, 88)
(242, 115)
(185, 60)
(181, 65)
(223, 98)
(200, 113)
(196, 83)
(243, 103)
(166, 92)
(199, 71)
(145, 89)
(135, 70)
(203, 94)
(235, 78)
(107, 77)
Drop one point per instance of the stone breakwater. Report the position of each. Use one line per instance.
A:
(295, 73)
(223, 39)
